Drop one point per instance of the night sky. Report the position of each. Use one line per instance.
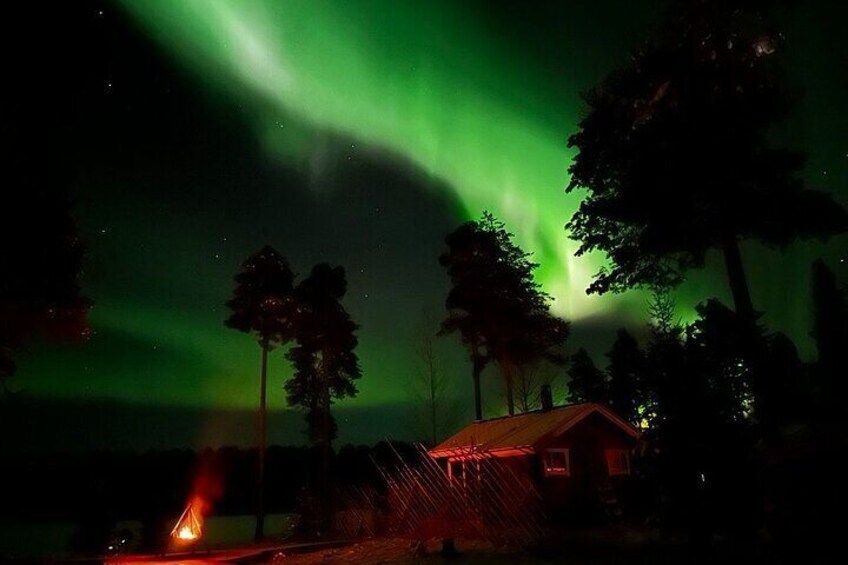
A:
(359, 133)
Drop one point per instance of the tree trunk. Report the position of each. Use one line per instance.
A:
(326, 499)
(736, 278)
(259, 532)
(506, 368)
(433, 393)
(476, 369)
(326, 503)
(760, 386)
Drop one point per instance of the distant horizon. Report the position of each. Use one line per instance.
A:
(113, 425)
(98, 424)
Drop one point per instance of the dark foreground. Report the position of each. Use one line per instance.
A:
(572, 548)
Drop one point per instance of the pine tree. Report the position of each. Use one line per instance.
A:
(626, 376)
(326, 366)
(830, 332)
(495, 303)
(263, 305)
(586, 382)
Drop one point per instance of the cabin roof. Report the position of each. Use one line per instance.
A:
(523, 433)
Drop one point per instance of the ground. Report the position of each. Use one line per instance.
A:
(595, 547)
(369, 552)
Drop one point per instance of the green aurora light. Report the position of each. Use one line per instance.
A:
(418, 79)
(481, 103)
(430, 81)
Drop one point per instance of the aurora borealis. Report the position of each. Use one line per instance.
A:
(358, 133)
(421, 80)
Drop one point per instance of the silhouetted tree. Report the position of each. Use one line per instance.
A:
(586, 382)
(626, 375)
(788, 399)
(662, 353)
(325, 362)
(661, 308)
(41, 252)
(700, 425)
(717, 347)
(830, 332)
(531, 378)
(722, 357)
(676, 156)
(434, 411)
(496, 304)
(471, 252)
(263, 305)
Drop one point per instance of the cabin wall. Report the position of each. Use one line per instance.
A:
(524, 465)
(588, 492)
(576, 497)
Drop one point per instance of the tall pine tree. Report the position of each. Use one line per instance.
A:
(495, 303)
(326, 366)
(626, 375)
(263, 305)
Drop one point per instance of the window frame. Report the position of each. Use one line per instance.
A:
(619, 471)
(469, 469)
(451, 474)
(551, 471)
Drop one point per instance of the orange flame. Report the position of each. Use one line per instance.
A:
(186, 533)
(208, 486)
(189, 526)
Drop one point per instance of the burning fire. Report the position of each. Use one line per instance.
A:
(188, 527)
(185, 533)
(208, 487)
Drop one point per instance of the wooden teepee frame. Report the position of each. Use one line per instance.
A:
(187, 518)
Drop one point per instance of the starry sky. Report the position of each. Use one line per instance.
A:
(359, 133)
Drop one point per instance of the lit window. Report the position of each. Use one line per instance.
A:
(556, 462)
(456, 470)
(618, 462)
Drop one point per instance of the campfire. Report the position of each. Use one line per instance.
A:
(189, 526)
(207, 488)
(186, 533)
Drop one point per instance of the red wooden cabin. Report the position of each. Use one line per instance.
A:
(578, 456)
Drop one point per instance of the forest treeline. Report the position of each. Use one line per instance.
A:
(108, 486)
